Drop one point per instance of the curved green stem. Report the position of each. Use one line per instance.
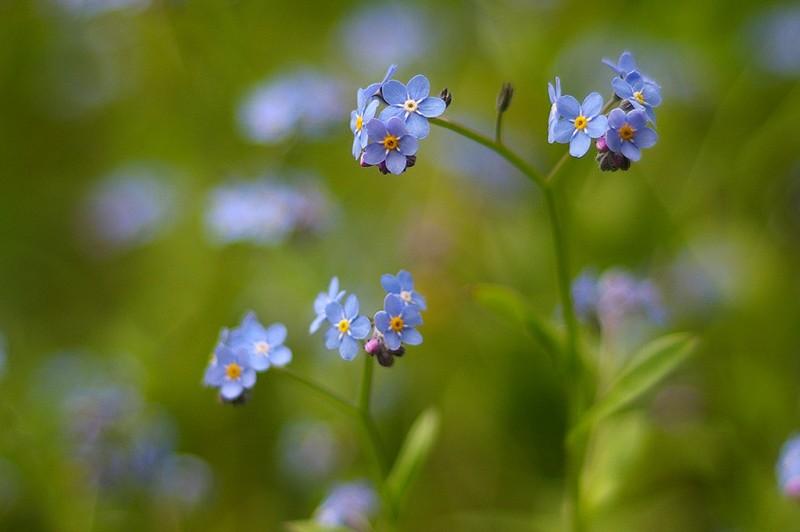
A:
(367, 420)
(334, 397)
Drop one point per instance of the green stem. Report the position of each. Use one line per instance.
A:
(367, 420)
(334, 397)
(520, 164)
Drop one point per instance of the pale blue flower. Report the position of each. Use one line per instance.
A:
(347, 327)
(349, 505)
(264, 345)
(390, 143)
(231, 372)
(402, 285)
(397, 321)
(628, 133)
(412, 103)
(787, 469)
(367, 106)
(579, 123)
(640, 94)
(555, 94)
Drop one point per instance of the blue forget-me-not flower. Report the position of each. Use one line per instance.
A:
(580, 122)
(555, 94)
(391, 144)
(412, 103)
(230, 371)
(347, 327)
(628, 133)
(322, 300)
(397, 321)
(402, 285)
(365, 111)
(640, 94)
(263, 345)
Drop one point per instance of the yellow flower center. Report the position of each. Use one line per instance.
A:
(390, 142)
(344, 326)
(638, 96)
(410, 106)
(262, 347)
(233, 371)
(396, 324)
(405, 295)
(359, 123)
(626, 132)
(581, 122)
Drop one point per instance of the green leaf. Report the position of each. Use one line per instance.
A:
(648, 367)
(416, 448)
(516, 309)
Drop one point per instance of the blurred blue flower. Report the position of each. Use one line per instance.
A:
(555, 94)
(230, 371)
(309, 451)
(402, 285)
(264, 212)
(349, 505)
(787, 469)
(397, 321)
(640, 94)
(628, 133)
(347, 327)
(183, 479)
(774, 37)
(615, 295)
(303, 102)
(391, 144)
(365, 111)
(322, 301)
(412, 103)
(579, 123)
(263, 345)
(126, 209)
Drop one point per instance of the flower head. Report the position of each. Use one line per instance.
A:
(347, 327)
(579, 123)
(263, 345)
(322, 301)
(348, 505)
(622, 67)
(640, 94)
(555, 94)
(367, 106)
(787, 468)
(391, 144)
(628, 133)
(402, 285)
(230, 371)
(412, 103)
(397, 321)
(374, 89)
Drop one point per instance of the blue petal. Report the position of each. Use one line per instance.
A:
(394, 92)
(390, 283)
(369, 112)
(276, 334)
(622, 88)
(382, 321)
(393, 111)
(431, 106)
(280, 356)
(334, 312)
(408, 145)
(568, 107)
(351, 307)
(626, 62)
(357, 145)
(314, 327)
(419, 88)
(419, 300)
(248, 378)
(393, 304)
(592, 105)
(597, 126)
(579, 144)
(332, 338)
(406, 280)
(410, 315)
(376, 129)
(613, 140)
(374, 153)
(631, 151)
(348, 348)
(418, 125)
(562, 131)
(396, 126)
(652, 94)
(360, 327)
(637, 119)
(412, 337)
(231, 390)
(616, 118)
(392, 339)
(259, 362)
(395, 162)
(646, 137)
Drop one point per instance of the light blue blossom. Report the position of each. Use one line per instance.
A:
(412, 103)
(322, 301)
(579, 123)
(555, 94)
(787, 469)
(397, 321)
(628, 133)
(391, 144)
(349, 505)
(263, 345)
(347, 327)
(402, 285)
(622, 67)
(230, 371)
(367, 107)
(640, 94)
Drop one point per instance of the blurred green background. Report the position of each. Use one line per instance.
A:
(130, 131)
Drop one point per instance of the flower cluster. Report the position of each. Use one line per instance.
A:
(242, 352)
(619, 135)
(389, 329)
(390, 140)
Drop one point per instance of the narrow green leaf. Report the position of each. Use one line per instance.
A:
(416, 448)
(648, 367)
(516, 309)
